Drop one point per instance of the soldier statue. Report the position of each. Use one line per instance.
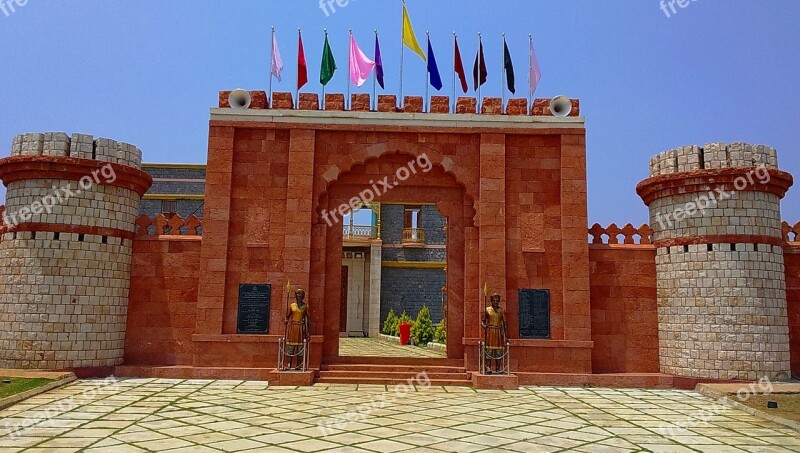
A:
(495, 328)
(298, 329)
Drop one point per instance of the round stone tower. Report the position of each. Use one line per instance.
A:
(715, 213)
(65, 250)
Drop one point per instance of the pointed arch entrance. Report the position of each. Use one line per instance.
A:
(399, 177)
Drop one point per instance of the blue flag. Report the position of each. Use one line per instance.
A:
(378, 63)
(433, 68)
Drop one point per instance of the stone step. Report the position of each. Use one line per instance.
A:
(390, 381)
(405, 375)
(394, 361)
(394, 368)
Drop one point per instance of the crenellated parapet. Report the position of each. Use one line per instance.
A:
(630, 234)
(175, 225)
(643, 235)
(711, 156)
(791, 233)
(361, 102)
(79, 146)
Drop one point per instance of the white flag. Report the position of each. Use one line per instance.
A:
(277, 62)
(536, 73)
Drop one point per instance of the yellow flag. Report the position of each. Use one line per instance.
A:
(409, 38)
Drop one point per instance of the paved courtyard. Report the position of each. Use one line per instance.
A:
(373, 347)
(202, 416)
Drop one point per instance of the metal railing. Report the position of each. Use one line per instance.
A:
(505, 364)
(413, 236)
(359, 233)
(283, 356)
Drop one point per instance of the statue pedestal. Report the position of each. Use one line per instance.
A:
(292, 378)
(495, 381)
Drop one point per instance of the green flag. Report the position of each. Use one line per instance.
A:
(509, 67)
(328, 64)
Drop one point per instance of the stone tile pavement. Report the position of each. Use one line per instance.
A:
(373, 347)
(174, 416)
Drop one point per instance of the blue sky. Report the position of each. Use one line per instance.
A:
(147, 72)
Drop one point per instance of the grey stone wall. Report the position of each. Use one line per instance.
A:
(392, 224)
(173, 188)
(413, 254)
(406, 289)
(177, 173)
(185, 208)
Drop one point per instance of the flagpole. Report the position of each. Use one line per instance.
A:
(349, 66)
(297, 90)
(454, 73)
(530, 68)
(375, 78)
(402, 54)
(427, 73)
(503, 79)
(271, 61)
(480, 63)
(322, 101)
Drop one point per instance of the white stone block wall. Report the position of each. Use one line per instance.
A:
(722, 313)
(64, 296)
(80, 146)
(746, 212)
(101, 205)
(721, 306)
(63, 302)
(711, 156)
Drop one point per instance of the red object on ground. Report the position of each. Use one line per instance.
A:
(405, 333)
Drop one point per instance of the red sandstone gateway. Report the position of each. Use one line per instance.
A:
(512, 188)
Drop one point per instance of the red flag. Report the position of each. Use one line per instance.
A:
(459, 67)
(302, 68)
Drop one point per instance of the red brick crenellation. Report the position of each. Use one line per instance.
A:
(610, 234)
(175, 225)
(309, 101)
(791, 233)
(361, 102)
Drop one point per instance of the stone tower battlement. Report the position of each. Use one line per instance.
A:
(713, 155)
(715, 215)
(79, 146)
(66, 244)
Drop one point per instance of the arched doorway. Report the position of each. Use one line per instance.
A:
(422, 189)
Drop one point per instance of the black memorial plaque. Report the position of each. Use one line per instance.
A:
(253, 313)
(534, 313)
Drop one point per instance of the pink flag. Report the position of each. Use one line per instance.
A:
(360, 66)
(277, 61)
(536, 73)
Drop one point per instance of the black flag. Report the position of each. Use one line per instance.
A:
(509, 68)
(480, 62)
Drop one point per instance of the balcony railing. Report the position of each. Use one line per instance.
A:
(413, 236)
(359, 233)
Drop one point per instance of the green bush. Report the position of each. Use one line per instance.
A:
(422, 330)
(403, 318)
(390, 324)
(440, 335)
